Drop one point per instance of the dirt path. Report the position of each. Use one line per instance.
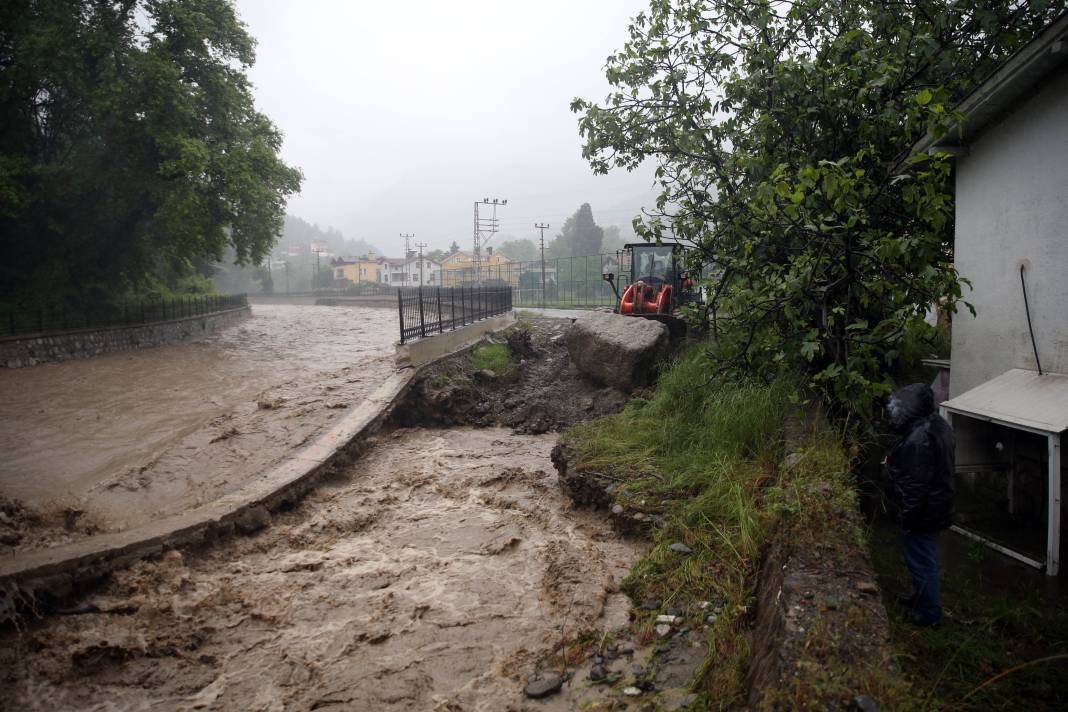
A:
(436, 574)
(128, 437)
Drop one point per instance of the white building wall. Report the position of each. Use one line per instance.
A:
(431, 273)
(1012, 208)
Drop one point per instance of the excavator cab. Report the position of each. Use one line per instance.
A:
(657, 285)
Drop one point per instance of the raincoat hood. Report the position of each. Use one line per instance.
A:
(908, 405)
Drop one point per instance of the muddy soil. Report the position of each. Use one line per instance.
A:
(440, 572)
(111, 442)
(542, 392)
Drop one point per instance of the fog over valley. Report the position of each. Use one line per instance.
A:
(401, 117)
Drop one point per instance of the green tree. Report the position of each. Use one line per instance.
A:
(130, 145)
(519, 250)
(781, 136)
(454, 248)
(614, 239)
(579, 236)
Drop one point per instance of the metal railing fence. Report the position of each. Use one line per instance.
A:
(432, 310)
(568, 281)
(60, 317)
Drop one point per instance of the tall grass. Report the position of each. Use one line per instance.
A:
(704, 459)
(698, 455)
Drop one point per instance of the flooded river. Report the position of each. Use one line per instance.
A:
(128, 436)
(436, 573)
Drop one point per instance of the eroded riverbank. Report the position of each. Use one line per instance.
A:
(436, 573)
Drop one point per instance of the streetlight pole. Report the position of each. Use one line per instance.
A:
(542, 227)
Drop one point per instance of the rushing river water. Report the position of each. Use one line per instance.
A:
(435, 573)
(134, 434)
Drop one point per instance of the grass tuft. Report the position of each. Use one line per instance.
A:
(491, 357)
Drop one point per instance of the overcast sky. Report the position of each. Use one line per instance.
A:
(401, 115)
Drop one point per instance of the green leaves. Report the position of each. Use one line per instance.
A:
(824, 236)
(133, 144)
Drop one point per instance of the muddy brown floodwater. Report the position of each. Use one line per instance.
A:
(130, 436)
(436, 573)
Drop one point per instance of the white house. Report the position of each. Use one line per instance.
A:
(421, 271)
(1009, 363)
(398, 272)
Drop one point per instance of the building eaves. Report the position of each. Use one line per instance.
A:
(1006, 89)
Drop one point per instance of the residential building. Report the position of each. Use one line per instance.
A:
(1008, 378)
(393, 272)
(459, 268)
(357, 269)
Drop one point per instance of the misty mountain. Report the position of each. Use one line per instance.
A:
(297, 231)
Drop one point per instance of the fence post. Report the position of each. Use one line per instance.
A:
(400, 311)
(422, 319)
(441, 327)
(452, 307)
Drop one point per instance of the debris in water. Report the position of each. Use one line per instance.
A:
(536, 689)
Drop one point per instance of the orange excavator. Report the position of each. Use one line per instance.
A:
(657, 286)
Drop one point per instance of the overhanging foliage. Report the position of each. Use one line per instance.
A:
(781, 133)
(129, 145)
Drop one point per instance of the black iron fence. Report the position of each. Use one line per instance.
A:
(431, 310)
(57, 318)
(556, 282)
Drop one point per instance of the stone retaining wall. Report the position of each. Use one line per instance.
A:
(31, 350)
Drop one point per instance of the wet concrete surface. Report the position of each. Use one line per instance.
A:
(437, 573)
(125, 437)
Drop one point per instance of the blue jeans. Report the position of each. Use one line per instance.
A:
(921, 557)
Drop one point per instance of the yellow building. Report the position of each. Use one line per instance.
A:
(459, 268)
(361, 269)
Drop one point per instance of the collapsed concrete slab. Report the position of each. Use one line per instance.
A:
(615, 349)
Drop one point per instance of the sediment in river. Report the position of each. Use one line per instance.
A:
(437, 573)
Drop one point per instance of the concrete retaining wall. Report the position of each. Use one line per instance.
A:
(18, 352)
(434, 347)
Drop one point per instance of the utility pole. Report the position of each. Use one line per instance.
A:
(488, 225)
(407, 250)
(287, 276)
(420, 245)
(543, 227)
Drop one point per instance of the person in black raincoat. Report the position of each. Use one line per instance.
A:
(919, 470)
